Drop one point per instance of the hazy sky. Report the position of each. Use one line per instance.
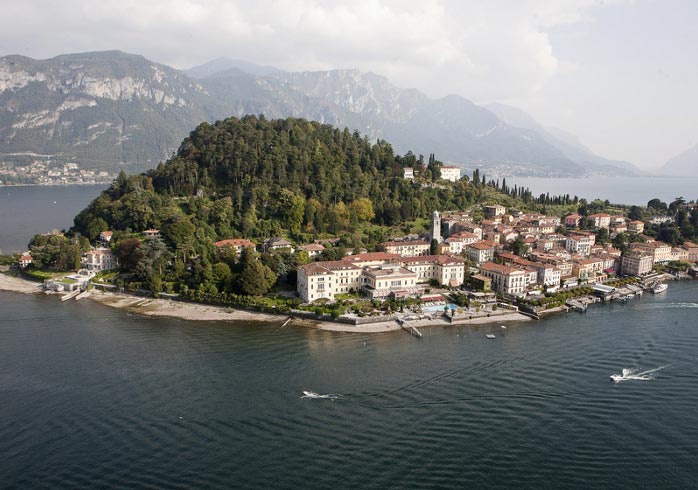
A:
(620, 74)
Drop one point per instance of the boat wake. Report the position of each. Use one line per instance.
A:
(312, 394)
(631, 374)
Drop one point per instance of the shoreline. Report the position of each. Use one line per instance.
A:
(17, 285)
(163, 308)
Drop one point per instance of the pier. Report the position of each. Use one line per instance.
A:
(411, 329)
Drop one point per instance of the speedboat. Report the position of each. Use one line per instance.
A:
(310, 394)
(490, 336)
(620, 377)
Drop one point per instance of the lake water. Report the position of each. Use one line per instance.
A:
(28, 210)
(621, 190)
(91, 397)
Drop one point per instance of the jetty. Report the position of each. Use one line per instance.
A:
(83, 294)
(411, 329)
(70, 295)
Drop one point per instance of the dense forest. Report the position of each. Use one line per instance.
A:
(253, 177)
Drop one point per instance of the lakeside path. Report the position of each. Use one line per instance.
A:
(438, 322)
(200, 312)
(17, 285)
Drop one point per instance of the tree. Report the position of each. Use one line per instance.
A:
(635, 213)
(519, 247)
(434, 247)
(361, 210)
(657, 205)
(256, 278)
(129, 253)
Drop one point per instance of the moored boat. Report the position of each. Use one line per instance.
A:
(659, 288)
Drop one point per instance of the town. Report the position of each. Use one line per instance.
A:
(461, 267)
(48, 172)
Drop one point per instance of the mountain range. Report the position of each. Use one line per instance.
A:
(108, 109)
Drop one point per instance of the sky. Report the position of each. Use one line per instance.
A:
(619, 74)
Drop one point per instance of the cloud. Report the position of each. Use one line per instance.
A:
(484, 50)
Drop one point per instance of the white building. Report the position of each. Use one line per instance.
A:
(505, 279)
(407, 248)
(446, 270)
(408, 173)
(450, 173)
(99, 259)
(580, 244)
(326, 279)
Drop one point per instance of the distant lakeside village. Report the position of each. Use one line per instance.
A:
(40, 172)
(485, 264)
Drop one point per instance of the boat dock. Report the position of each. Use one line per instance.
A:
(411, 329)
(70, 295)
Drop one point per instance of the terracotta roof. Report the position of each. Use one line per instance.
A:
(501, 269)
(405, 243)
(313, 247)
(234, 242)
(370, 257)
(483, 245)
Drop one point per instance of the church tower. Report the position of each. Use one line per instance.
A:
(436, 227)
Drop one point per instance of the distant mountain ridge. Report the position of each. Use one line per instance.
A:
(107, 108)
(685, 164)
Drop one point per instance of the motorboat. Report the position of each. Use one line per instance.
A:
(660, 288)
(621, 377)
(490, 336)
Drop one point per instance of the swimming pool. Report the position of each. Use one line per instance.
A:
(433, 309)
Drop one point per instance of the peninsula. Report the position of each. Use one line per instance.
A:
(295, 218)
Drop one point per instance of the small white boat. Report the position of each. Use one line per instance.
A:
(620, 377)
(490, 336)
(503, 326)
(312, 394)
(659, 288)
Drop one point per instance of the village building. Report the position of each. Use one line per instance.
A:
(444, 269)
(506, 279)
(277, 243)
(692, 249)
(660, 251)
(580, 244)
(105, 237)
(326, 279)
(99, 259)
(636, 264)
(25, 259)
(481, 252)
(678, 255)
(380, 282)
(408, 173)
(151, 233)
(494, 211)
(600, 220)
(371, 259)
(314, 249)
(572, 220)
(407, 248)
(238, 244)
(458, 241)
(636, 227)
(450, 173)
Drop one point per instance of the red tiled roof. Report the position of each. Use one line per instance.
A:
(234, 242)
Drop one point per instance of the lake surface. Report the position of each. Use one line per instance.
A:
(91, 397)
(28, 210)
(619, 190)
